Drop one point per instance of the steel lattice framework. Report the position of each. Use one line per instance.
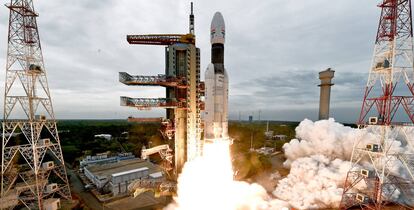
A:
(373, 181)
(183, 91)
(159, 80)
(162, 39)
(32, 168)
(392, 64)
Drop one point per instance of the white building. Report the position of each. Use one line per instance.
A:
(104, 136)
(104, 158)
(265, 150)
(115, 177)
(269, 134)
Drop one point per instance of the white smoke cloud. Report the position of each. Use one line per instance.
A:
(318, 160)
(313, 182)
(318, 164)
(325, 137)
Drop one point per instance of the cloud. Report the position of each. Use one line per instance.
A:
(273, 51)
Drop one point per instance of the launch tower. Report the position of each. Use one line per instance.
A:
(183, 91)
(33, 172)
(381, 173)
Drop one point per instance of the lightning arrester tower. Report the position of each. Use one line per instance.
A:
(381, 173)
(33, 173)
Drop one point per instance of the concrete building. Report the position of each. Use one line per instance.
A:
(115, 177)
(104, 158)
(325, 98)
(269, 134)
(280, 137)
(104, 136)
(265, 150)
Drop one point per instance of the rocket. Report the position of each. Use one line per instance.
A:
(216, 85)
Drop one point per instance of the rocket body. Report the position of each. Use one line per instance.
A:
(217, 85)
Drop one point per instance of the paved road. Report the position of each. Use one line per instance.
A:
(87, 198)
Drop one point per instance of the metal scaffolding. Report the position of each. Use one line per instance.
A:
(33, 168)
(148, 103)
(161, 39)
(159, 80)
(373, 181)
(392, 65)
(183, 91)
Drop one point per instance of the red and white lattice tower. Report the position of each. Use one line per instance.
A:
(382, 171)
(33, 173)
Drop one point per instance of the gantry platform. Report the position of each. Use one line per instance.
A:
(159, 80)
(148, 103)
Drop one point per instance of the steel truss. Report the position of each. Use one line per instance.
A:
(392, 64)
(33, 168)
(183, 91)
(148, 103)
(382, 173)
(159, 80)
(161, 39)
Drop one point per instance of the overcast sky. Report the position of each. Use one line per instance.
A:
(274, 50)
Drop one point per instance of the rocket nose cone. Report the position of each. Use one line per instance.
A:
(218, 29)
(218, 20)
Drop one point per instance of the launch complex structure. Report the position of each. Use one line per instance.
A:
(33, 173)
(373, 181)
(182, 124)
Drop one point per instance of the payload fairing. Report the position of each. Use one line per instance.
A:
(217, 85)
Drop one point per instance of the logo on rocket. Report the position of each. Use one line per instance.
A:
(216, 85)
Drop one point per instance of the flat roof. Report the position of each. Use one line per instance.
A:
(124, 166)
(130, 171)
(156, 175)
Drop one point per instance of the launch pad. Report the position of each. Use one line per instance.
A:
(182, 126)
